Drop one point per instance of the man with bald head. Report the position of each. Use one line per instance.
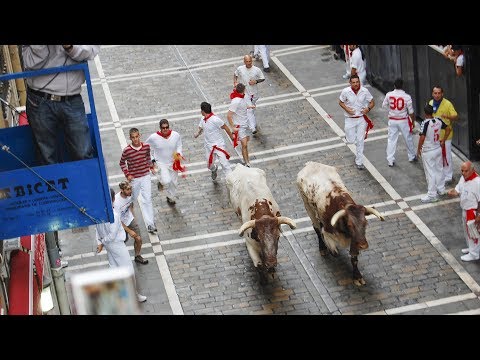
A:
(249, 75)
(469, 190)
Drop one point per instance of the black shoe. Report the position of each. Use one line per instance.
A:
(151, 229)
(139, 259)
(267, 69)
(392, 164)
(170, 201)
(415, 159)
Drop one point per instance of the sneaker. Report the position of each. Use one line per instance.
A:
(360, 167)
(252, 53)
(428, 199)
(468, 257)
(141, 298)
(346, 76)
(256, 57)
(64, 263)
(151, 229)
(254, 132)
(448, 181)
(160, 186)
(465, 251)
(267, 69)
(171, 201)
(415, 159)
(247, 165)
(442, 193)
(139, 259)
(391, 164)
(214, 173)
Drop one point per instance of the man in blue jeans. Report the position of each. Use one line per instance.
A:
(54, 101)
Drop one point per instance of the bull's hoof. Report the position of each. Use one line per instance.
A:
(262, 277)
(323, 252)
(334, 253)
(359, 282)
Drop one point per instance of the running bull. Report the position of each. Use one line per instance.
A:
(336, 218)
(253, 201)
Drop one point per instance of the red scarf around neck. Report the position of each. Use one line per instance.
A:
(236, 94)
(355, 92)
(169, 132)
(471, 177)
(208, 117)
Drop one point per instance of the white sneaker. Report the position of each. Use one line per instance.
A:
(465, 251)
(141, 298)
(346, 76)
(428, 199)
(441, 193)
(468, 257)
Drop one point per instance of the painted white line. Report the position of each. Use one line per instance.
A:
(166, 276)
(427, 304)
(203, 247)
(467, 312)
(172, 295)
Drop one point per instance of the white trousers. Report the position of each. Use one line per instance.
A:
(448, 169)
(264, 52)
(169, 179)
(347, 59)
(395, 127)
(473, 248)
(432, 164)
(143, 186)
(355, 134)
(219, 157)
(118, 255)
(251, 119)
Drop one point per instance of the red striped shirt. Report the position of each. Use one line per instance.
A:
(136, 162)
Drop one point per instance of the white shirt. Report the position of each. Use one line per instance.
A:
(431, 129)
(212, 132)
(460, 60)
(357, 101)
(245, 74)
(108, 232)
(123, 206)
(239, 108)
(163, 149)
(399, 104)
(469, 193)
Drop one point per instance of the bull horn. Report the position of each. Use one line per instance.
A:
(373, 211)
(337, 216)
(285, 220)
(249, 224)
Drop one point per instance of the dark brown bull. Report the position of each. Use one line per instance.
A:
(336, 218)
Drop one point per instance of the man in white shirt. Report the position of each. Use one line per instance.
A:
(357, 64)
(214, 142)
(166, 146)
(124, 204)
(401, 119)
(249, 75)
(356, 101)
(468, 188)
(237, 118)
(111, 236)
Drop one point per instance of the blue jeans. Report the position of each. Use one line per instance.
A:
(47, 118)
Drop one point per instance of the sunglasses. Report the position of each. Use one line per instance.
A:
(164, 127)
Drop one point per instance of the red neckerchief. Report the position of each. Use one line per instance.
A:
(208, 117)
(355, 92)
(169, 132)
(236, 94)
(471, 177)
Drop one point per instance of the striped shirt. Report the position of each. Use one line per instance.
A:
(136, 162)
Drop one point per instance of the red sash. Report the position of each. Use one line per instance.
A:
(235, 137)
(210, 158)
(177, 166)
(369, 125)
(444, 155)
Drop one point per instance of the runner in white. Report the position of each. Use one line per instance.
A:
(166, 146)
(401, 119)
(214, 142)
(250, 76)
(357, 64)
